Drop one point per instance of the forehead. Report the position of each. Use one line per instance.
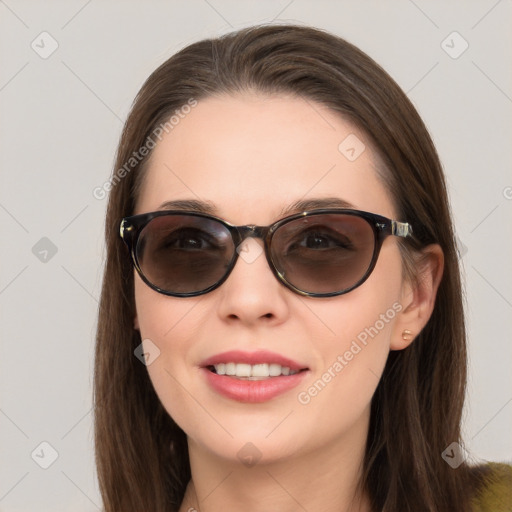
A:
(251, 155)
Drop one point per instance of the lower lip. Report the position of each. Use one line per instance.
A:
(252, 391)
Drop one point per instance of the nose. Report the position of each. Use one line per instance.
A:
(252, 294)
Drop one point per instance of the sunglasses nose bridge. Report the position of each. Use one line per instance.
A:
(251, 231)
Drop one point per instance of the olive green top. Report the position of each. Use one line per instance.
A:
(495, 493)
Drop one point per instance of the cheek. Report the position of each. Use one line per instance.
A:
(352, 360)
(161, 321)
(354, 353)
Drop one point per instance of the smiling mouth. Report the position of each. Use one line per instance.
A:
(244, 371)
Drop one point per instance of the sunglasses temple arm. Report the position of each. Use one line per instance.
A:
(400, 228)
(126, 231)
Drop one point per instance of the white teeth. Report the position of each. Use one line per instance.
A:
(230, 368)
(260, 370)
(243, 370)
(256, 371)
(274, 370)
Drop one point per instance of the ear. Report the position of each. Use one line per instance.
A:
(418, 297)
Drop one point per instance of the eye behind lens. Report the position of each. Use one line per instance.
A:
(182, 254)
(323, 254)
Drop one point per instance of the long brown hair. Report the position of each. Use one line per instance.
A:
(141, 454)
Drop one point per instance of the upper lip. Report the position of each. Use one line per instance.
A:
(252, 358)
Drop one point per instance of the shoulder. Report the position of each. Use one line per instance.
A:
(492, 491)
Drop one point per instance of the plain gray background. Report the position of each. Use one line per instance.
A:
(61, 116)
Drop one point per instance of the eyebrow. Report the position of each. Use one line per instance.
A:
(209, 208)
(314, 204)
(190, 204)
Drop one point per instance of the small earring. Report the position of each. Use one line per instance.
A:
(407, 335)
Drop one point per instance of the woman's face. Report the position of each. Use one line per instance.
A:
(250, 156)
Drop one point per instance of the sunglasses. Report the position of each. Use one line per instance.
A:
(318, 253)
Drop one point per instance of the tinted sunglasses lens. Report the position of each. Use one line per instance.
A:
(324, 253)
(183, 253)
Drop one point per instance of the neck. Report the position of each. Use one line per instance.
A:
(325, 480)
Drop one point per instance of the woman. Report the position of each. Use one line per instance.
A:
(282, 328)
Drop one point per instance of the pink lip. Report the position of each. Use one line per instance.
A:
(258, 357)
(252, 391)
